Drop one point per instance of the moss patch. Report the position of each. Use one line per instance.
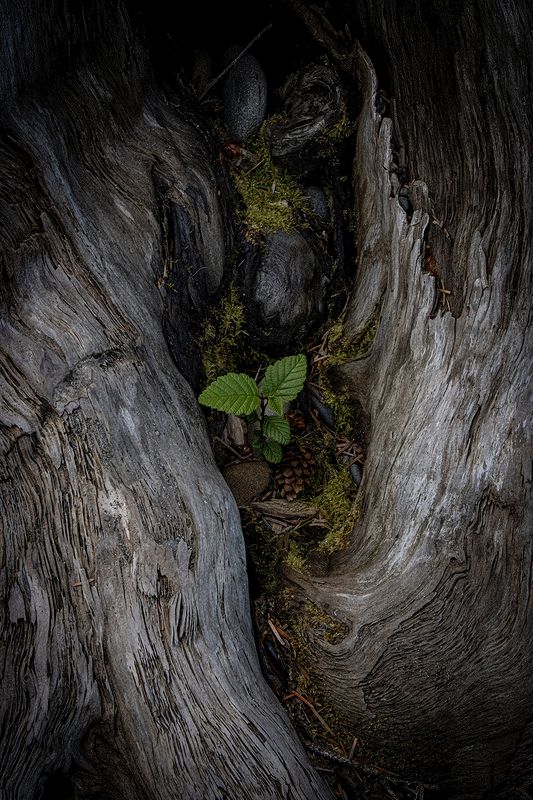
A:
(334, 500)
(332, 138)
(295, 559)
(342, 349)
(338, 502)
(340, 403)
(273, 199)
(332, 490)
(222, 338)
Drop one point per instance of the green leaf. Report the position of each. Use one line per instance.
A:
(235, 393)
(285, 378)
(278, 429)
(276, 404)
(272, 451)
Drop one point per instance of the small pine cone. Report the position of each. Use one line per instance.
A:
(296, 466)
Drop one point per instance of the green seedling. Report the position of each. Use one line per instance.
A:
(261, 400)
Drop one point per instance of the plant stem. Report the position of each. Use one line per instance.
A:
(263, 402)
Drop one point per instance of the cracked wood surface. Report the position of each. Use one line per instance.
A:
(436, 584)
(127, 657)
(126, 642)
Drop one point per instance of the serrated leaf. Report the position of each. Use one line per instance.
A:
(278, 429)
(276, 404)
(272, 451)
(235, 393)
(285, 378)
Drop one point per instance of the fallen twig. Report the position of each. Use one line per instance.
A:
(371, 769)
(311, 707)
(282, 637)
(254, 167)
(232, 64)
(352, 748)
(240, 456)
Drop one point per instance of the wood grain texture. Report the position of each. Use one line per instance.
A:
(126, 651)
(436, 584)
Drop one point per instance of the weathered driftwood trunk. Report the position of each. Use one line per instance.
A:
(436, 584)
(127, 657)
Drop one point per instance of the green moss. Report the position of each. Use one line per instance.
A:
(330, 139)
(333, 491)
(222, 337)
(335, 502)
(342, 349)
(324, 624)
(295, 560)
(334, 499)
(340, 403)
(338, 537)
(272, 198)
(339, 350)
(336, 335)
(340, 506)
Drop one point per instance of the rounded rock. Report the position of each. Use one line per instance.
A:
(318, 202)
(244, 95)
(288, 289)
(357, 474)
(247, 480)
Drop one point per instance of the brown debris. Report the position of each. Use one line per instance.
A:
(286, 511)
(295, 468)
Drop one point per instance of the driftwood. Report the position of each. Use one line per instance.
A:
(127, 664)
(127, 657)
(436, 584)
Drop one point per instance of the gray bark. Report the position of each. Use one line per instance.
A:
(436, 584)
(127, 657)
(126, 649)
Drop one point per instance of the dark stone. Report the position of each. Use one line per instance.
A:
(244, 94)
(318, 202)
(247, 480)
(357, 474)
(325, 414)
(287, 288)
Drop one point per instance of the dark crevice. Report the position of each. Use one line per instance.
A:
(281, 51)
(58, 786)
